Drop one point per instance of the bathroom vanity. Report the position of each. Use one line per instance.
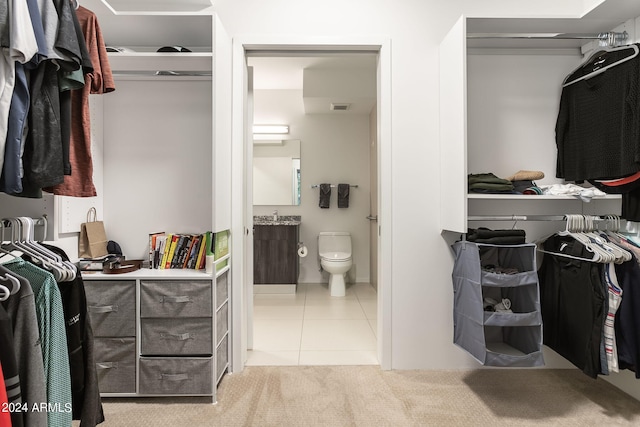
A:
(275, 254)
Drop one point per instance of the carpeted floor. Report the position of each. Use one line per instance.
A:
(367, 396)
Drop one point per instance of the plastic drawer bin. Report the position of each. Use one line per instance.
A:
(497, 338)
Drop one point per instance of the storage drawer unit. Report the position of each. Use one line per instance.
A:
(160, 333)
(222, 323)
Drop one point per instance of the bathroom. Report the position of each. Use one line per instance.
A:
(335, 147)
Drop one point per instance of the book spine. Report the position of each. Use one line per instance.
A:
(187, 256)
(201, 253)
(175, 256)
(165, 252)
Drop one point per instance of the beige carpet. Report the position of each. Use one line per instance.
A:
(367, 396)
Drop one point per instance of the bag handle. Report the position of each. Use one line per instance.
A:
(92, 215)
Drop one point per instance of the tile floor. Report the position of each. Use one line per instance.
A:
(312, 328)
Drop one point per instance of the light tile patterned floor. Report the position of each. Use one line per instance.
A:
(313, 328)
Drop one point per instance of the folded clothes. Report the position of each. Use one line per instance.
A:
(521, 185)
(488, 182)
(526, 175)
(496, 237)
(485, 233)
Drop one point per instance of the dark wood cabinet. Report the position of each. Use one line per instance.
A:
(275, 254)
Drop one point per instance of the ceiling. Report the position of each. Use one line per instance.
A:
(328, 76)
(284, 70)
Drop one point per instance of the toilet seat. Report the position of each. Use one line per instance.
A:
(335, 256)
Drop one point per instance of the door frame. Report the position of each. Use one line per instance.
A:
(242, 275)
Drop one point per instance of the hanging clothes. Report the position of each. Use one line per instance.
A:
(627, 325)
(573, 303)
(10, 387)
(598, 122)
(18, 42)
(99, 81)
(5, 417)
(51, 327)
(87, 404)
(21, 308)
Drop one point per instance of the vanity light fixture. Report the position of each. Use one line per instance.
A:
(267, 141)
(270, 129)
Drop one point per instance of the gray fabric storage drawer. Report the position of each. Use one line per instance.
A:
(182, 298)
(222, 322)
(116, 364)
(185, 336)
(222, 357)
(176, 376)
(222, 289)
(112, 307)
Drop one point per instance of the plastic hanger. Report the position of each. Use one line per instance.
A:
(28, 231)
(574, 223)
(621, 254)
(8, 279)
(601, 52)
(5, 293)
(58, 272)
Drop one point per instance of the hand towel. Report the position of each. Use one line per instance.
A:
(343, 195)
(325, 195)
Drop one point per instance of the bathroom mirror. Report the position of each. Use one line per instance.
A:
(276, 172)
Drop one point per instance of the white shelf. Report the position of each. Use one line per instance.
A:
(146, 273)
(158, 7)
(194, 62)
(537, 197)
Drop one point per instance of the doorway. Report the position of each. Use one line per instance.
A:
(325, 104)
(243, 280)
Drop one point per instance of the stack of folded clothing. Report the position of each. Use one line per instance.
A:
(488, 183)
(523, 182)
(496, 237)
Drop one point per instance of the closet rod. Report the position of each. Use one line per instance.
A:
(522, 218)
(163, 73)
(611, 38)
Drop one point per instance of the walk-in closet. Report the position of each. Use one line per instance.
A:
(500, 96)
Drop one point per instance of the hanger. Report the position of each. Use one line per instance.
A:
(614, 233)
(28, 232)
(611, 242)
(59, 271)
(13, 281)
(5, 293)
(574, 228)
(75, 3)
(599, 56)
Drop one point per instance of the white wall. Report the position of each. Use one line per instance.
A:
(333, 149)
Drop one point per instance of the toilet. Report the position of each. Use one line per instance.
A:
(334, 249)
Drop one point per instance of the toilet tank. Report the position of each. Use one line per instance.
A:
(334, 241)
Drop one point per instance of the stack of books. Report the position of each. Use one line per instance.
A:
(168, 251)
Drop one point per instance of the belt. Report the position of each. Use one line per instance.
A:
(120, 267)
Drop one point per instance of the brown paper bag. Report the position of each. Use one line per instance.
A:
(93, 239)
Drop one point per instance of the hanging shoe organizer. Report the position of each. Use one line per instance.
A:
(496, 310)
